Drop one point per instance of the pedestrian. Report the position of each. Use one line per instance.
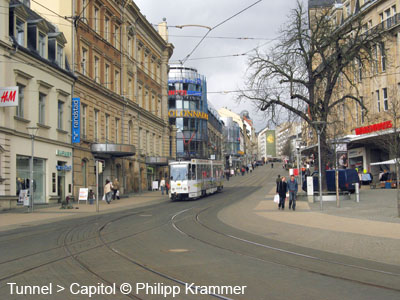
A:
(282, 189)
(278, 179)
(227, 174)
(247, 169)
(243, 170)
(162, 186)
(293, 188)
(272, 165)
(91, 197)
(166, 187)
(108, 191)
(115, 188)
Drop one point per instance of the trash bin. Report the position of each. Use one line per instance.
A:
(388, 185)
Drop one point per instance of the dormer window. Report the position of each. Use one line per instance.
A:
(60, 55)
(42, 44)
(20, 32)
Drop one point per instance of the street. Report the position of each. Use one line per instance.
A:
(213, 247)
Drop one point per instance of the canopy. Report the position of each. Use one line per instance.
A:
(386, 162)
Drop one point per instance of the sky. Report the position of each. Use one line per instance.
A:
(254, 27)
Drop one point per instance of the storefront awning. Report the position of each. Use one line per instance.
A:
(386, 162)
(115, 150)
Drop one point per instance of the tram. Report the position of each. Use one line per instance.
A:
(195, 178)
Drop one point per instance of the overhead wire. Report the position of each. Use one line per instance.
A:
(216, 26)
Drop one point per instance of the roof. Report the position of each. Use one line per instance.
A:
(321, 3)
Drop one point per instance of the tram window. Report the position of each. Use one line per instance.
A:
(193, 172)
(199, 172)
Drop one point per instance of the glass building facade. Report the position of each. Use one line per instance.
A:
(188, 111)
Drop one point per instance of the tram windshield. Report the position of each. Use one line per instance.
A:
(179, 172)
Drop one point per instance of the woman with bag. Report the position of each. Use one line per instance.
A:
(281, 190)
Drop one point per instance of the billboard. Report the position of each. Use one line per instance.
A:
(271, 143)
(76, 120)
(9, 96)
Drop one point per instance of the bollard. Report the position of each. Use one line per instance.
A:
(357, 192)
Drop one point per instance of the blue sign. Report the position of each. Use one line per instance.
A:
(64, 168)
(76, 120)
(184, 80)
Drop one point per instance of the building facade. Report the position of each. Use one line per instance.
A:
(121, 65)
(34, 61)
(231, 133)
(266, 144)
(376, 83)
(215, 134)
(188, 111)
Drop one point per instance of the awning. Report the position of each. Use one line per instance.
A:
(386, 162)
(116, 150)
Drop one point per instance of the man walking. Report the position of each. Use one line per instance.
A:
(292, 187)
(281, 190)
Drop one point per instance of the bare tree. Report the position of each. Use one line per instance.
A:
(301, 72)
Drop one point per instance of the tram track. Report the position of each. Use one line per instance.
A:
(315, 259)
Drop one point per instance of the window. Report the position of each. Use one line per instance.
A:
(378, 101)
(60, 55)
(84, 61)
(106, 28)
(116, 130)
(97, 69)
(385, 100)
(42, 44)
(116, 82)
(96, 20)
(96, 125)
(140, 145)
(84, 173)
(116, 36)
(129, 88)
(130, 133)
(348, 10)
(84, 6)
(107, 76)
(129, 46)
(147, 142)
(362, 110)
(20, 107)
(42, 108)
(153, 103)
(160, 145)
(147, 100)
(107, 127)
(60, 119)
(20, 30)
(83, 119)
(140, 96)
(383, 56)
(154, 145)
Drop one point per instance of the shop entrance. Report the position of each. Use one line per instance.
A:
(39, 175)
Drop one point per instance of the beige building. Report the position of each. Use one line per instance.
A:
(33, 60)
(376, 83)
(121, 63)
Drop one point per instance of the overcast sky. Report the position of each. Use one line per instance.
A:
(259, 24)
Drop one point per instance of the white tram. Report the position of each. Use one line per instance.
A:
(195, 178)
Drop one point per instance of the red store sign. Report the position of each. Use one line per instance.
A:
(374, 127)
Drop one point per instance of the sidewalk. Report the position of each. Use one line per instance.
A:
(369, 229)
(20, 217)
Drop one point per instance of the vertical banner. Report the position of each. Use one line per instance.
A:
(76, 120)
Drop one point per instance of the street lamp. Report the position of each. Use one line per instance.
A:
(32, 132)
(319, 125)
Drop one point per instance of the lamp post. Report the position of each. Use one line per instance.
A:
(319, 125)
(32, 132)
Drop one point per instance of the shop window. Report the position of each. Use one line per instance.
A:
(39, 176)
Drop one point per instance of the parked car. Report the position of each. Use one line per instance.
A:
(347, 179)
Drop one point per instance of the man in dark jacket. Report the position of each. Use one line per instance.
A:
(281, 189)
(292, 187)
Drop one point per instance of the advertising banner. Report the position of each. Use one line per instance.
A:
(9, 96)
(76, 120)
